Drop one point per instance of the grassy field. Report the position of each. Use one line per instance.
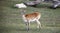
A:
(11, 21)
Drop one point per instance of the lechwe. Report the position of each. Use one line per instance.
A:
(35, 16)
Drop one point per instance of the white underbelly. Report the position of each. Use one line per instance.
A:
(31, 20)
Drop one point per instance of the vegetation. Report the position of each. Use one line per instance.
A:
(11, 21)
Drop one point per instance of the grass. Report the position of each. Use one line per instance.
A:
(11, 21)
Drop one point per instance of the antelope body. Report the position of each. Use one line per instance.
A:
(32, 17)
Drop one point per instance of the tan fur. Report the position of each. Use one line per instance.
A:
(32, 15)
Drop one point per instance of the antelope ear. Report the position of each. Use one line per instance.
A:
(36, 11)
(23, 10)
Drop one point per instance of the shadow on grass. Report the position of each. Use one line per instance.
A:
(42, 6)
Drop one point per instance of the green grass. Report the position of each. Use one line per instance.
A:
(11, 20)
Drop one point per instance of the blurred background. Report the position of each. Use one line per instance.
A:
(11, 19)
